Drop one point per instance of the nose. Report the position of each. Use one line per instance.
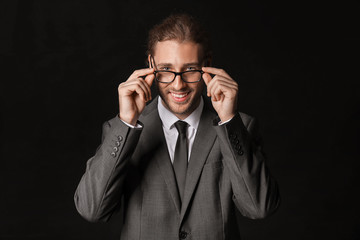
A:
(178, 83)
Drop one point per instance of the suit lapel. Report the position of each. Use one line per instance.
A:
(203, 143)
(155, 137)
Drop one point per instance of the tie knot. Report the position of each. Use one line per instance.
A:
(181, 126)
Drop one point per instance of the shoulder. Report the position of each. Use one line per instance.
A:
(246, 119)
(150, 107)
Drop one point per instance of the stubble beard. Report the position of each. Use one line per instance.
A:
(193, 103)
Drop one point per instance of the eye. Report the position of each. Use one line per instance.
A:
(190, 68)
(165, 68)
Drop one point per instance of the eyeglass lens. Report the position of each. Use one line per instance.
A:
(191, 76)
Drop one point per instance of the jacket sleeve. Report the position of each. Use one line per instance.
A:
(101, 187)
(255, 191)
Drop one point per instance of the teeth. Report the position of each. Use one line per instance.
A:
(179, 95)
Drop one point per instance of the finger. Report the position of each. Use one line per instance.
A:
(227, 88)
(216, 91)
(210, 91)
(222, 80)
(141, 72)
(149, 79)
(128, 89)
(218, 94)
(133, 85)
(216, 71)
(207, 78)
(211, 85)
(145, 87)
(141, 93)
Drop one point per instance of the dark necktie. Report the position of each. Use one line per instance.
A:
(181, 157)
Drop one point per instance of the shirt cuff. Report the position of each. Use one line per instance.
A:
(131, 126)
(222, 123)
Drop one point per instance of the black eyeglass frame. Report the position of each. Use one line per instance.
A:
(175, 73)
(178, 73)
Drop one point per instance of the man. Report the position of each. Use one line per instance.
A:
(182, 164)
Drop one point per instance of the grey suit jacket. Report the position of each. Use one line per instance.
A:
(227, 171)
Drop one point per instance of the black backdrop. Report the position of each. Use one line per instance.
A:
(296, 63)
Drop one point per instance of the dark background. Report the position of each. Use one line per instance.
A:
(297, 66)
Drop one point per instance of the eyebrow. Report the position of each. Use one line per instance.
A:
(184, 65)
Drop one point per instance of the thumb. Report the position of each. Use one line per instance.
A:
(207, 78)
(149, 79)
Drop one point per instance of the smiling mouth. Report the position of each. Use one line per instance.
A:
(179, 97)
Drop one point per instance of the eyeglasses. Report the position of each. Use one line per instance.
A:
(190, 76)
(164, 76)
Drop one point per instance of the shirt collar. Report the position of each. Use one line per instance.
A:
(168, 118)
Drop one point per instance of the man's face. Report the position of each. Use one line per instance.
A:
(179, 97)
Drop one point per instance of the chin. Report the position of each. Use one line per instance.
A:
(182, 109)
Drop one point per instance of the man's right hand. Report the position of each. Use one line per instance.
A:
(134, 93)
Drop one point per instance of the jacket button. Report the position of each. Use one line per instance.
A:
(116, 149)
(183, 235)
(240, 152)
(113, 154)
(117, 143)
(120, 138)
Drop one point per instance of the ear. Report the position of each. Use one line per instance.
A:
(149, 61)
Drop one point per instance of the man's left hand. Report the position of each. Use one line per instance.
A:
(223, 91)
